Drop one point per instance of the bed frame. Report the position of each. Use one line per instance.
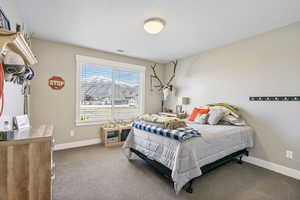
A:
(205, 169)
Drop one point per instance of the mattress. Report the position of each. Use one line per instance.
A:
(186, 158)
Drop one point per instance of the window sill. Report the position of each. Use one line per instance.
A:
(90, 123)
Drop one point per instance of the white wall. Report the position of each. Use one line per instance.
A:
(264, 65)
(48, 106)
(14, 100)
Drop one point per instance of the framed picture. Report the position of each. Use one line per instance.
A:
(4, 22)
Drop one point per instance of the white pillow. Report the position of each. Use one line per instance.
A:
(238, 121)
(215, 116)
(225, 110)
(201, 119)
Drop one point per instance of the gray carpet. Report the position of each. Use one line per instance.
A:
(95, 172)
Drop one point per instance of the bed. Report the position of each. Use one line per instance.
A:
(184, 161)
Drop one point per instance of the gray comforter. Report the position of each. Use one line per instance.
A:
(186, 158)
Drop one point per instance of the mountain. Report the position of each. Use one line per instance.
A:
(99, 86)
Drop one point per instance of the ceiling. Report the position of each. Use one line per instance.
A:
(192, 26)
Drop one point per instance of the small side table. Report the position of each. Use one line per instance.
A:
(115, 136)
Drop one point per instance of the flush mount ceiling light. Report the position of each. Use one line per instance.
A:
(154, 25)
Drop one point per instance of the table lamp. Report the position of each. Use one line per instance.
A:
(185, 101)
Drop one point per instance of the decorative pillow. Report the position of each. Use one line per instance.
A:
(238, 121)
(215, 116)
(193, 115)
(228, 109)
(201, 119)
(203, 110)
(197, 111)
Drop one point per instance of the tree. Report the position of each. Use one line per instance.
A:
(88, 98)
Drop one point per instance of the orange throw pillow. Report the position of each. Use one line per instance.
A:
(203, 110)
(193, 115)
(197, 111)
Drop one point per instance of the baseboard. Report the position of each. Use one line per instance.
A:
(255, 161)
(77, 144)
(273, 167)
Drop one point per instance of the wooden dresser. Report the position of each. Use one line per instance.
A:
(26, 166)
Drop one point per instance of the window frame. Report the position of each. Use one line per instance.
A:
(114, 65)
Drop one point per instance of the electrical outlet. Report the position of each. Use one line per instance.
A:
(289, 154)
(72, 133)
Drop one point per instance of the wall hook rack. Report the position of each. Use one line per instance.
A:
(275, 98)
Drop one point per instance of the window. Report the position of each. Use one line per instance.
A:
(108, 90)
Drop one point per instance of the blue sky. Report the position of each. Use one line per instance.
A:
(124, 76)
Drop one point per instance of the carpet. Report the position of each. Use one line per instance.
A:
(96, 173)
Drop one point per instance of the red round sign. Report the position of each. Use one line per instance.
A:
(56, 83)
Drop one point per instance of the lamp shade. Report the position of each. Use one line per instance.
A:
(185, 100)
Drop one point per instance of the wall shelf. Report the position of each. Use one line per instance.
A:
(16, 42)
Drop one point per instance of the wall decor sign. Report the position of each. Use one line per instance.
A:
(56, 82)
(276, 98)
